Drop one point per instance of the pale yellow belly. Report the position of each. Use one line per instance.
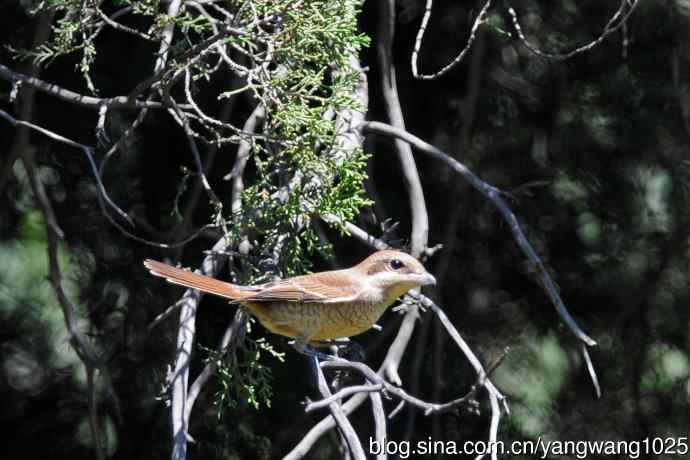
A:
(313, 321)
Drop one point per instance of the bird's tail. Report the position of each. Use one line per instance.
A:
(195, 281)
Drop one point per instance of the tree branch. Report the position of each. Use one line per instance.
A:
(419, 216)
(72, 97)
(337, 412)
(189, 302)
(479, 20)
(495, 196)
(618, 20)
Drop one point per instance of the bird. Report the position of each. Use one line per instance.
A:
(317, 308)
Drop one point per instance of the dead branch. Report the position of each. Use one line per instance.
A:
(618, 20)
(211, 266)
(496, 197)
(86, 353)
(72, 97)
(419, 216)
(420, 36)
(337, 413)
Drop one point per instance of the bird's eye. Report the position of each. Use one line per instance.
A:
(396, 264)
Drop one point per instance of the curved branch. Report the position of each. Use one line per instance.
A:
(618, 20)
(495, 195)
(88, 151)
(420, 36)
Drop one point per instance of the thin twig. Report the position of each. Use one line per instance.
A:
(233, 335)
(337, 412)
(244, 148)
(495, 196)
(376, 380)
(590, 369)
(88, 356)
(495, 396)
(618, 20)
(195, 154)
(479, 20)
(88, 152)
(121, 27)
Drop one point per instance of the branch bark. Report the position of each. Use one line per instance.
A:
(211, 266)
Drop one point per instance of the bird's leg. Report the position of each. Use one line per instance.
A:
(349, 349)
(314, 367)
(301, 346)
(345, 348)
(355, 352)
(337, 377)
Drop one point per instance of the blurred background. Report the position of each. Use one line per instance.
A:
(595, 150)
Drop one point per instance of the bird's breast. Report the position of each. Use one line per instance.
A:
(318, 321)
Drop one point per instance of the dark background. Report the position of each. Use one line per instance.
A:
(595, 149)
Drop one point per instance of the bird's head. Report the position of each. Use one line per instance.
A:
(395, 272)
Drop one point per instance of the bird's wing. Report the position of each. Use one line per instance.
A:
(196, 281)
(326, 287)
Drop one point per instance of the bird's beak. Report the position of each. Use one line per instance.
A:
(428, 279)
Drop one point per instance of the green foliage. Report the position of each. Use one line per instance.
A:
(73, 32)
(309, 80)
(242, 377)
(303, 166)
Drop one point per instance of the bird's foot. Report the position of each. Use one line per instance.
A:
(310, 351)
(345, 348)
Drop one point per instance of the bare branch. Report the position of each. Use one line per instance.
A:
(83, 100)
(211, 266)
(167, 35)
(243, 151)
(495, 195)
(26, 101)
(88, 356)
(93, 413)
(364, 236)
(21, 147)
(195, 153)
(419, 216)
(379, 422)
(376, 381)
(590, 369)
(420, 36)
(121, 27)
(232, 336)
(343, 393)
(88, 151)
(337, 412)
(617, 21)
